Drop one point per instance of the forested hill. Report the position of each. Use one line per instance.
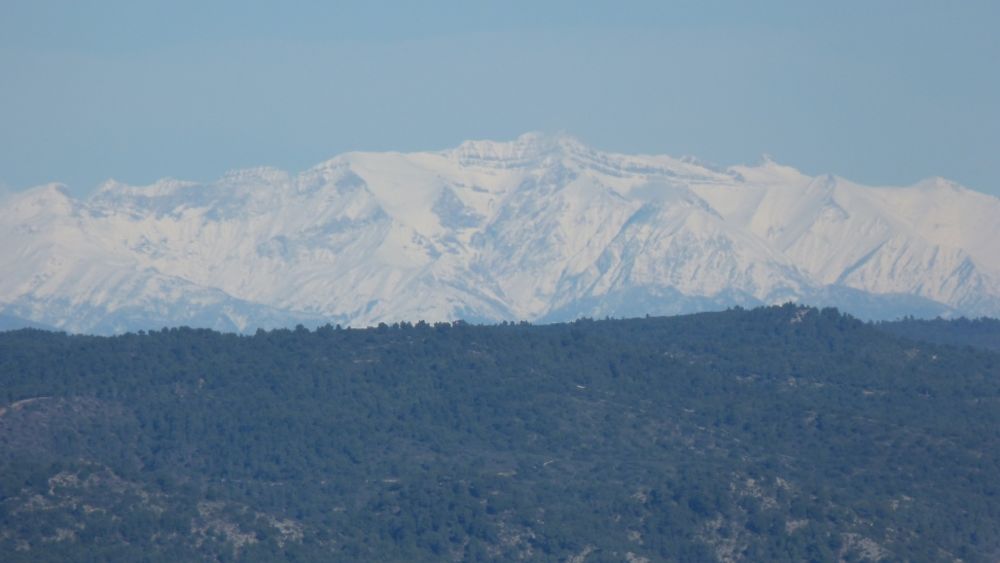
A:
(780, 433)
(981, 333)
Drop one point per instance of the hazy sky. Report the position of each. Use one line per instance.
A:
(882, 92)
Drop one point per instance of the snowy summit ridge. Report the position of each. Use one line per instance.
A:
(540, 228)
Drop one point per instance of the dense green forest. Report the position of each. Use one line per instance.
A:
(981, 333)
(780, 433)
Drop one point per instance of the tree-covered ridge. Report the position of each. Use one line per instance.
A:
(779, 433)
(981, 333)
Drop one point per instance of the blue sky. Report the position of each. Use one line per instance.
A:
(881, 92)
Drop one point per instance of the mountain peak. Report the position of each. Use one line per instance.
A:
(51, 189)
(769, 172)
(47, 199)
(538, 227)
(113, 193)
(937, 183)
(51, 193)
(526, 149)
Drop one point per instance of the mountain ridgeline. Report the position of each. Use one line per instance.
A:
(539, 228)
(981, 333)
(778, 433)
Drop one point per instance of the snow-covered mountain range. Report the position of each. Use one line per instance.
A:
(540, 228)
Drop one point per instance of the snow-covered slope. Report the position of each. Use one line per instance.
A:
(537, 228)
